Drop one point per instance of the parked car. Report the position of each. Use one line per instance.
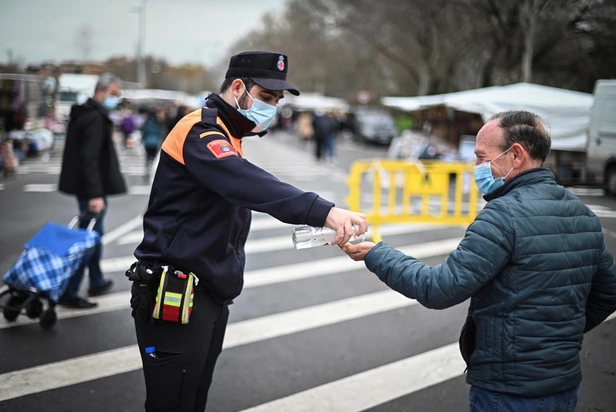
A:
(371, 124)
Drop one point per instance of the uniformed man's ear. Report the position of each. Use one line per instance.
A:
(237, 88)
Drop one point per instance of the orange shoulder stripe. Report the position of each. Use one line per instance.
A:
(174, 142)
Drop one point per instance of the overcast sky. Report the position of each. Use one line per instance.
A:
(180, 30)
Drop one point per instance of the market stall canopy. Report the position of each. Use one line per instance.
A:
(566, 112)
(315, 101)
(156, 95)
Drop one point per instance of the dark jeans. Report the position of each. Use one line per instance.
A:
(484, 401)
(179, 377)
(91, 259)
(330, 146)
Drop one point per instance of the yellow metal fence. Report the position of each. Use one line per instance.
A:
(397, 191)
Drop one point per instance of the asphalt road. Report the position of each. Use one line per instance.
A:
(311, 331)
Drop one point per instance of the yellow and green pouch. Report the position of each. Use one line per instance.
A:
(174, 299)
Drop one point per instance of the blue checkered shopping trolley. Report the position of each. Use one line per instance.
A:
(44, 268)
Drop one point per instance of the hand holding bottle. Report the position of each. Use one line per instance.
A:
(342, 221)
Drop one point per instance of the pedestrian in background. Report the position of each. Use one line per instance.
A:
(322, 127)
(152, 135)
(330, 137)
(535, 266)
(196, 226)
(173, 120)
(127, 125)
(304, 127)
(91, 172)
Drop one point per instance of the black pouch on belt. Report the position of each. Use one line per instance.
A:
(145, 279)
(174, 298)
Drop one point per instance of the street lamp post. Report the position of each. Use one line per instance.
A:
(140, 45)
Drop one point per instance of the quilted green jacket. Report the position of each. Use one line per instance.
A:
(539, 276)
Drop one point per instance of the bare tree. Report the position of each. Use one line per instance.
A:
(84, 36)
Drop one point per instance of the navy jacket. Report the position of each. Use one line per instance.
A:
(538, 273)
(198, 215)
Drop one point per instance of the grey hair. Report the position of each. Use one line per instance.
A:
(105, 80)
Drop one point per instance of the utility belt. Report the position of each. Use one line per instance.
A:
(161, 292)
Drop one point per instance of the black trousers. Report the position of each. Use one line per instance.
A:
(179, 377)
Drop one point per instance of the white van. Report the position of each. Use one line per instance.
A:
(601, 150)
(73, 89)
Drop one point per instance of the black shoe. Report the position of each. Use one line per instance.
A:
(78, 303)
(101, 290)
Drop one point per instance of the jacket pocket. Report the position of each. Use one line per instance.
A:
(467, 340)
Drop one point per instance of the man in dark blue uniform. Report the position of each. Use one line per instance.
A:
(198, 220)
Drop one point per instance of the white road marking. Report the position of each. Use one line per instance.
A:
(353, 393)
(103, 364)
(1, 186)
(376, 386)
(140, 190)
(586, 191)
(271, 244)
(122, 230)
(107, 303)
(255, 278)
(301, 270)
(41, 187)
(287, 273)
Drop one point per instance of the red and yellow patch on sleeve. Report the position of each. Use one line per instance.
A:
(221, 148)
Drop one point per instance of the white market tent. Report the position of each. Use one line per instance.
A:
(315, 101)
(566, 112)
(156, 95)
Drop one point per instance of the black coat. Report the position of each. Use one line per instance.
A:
(90, 166)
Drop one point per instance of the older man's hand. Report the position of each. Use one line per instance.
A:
(359, 251)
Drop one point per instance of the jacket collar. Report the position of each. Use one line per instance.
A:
(526, 178)
(93, 104)
(237, 123)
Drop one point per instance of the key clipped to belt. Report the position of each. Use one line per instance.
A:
(174, 299)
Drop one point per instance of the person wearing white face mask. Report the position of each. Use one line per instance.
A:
(197, 222)
(534, 265)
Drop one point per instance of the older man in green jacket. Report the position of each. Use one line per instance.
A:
(535, 266)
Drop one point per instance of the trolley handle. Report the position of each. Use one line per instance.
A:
(87, 215)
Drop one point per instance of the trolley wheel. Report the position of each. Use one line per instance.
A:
(48, 318)
(34, 309)
(10, 314)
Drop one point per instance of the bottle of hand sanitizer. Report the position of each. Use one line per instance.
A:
(305, 237)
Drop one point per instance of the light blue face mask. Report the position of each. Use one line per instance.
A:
(261, 113)
(111, 102)
(484, 179)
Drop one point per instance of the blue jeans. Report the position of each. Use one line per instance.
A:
(484, 401)
(92, 259)
(330, 147)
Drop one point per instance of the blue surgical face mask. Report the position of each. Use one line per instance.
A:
(484, 178)
(111, 102)
(261, 113)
